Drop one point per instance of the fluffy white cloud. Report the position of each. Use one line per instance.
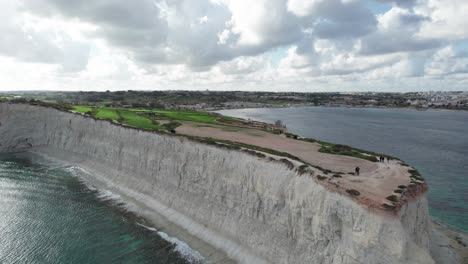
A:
(447, 18)
(446, 62)
(232, 44)
(32, 39)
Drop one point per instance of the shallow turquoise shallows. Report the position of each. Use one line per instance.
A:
(434, 141)
(47, 215)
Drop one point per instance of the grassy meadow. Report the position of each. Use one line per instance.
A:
(149, 119)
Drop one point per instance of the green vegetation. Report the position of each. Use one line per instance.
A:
(353, 192)
(288, 163)
(254, 153)
(345, 150)
(415, 175)
(302, 169)
(82, 109)
(389, 206)
(147, 119)
(392, 198)
(321, 178)
(136, 120)
(338, 149)
(107, 114)
(171, 126)
(194, 116)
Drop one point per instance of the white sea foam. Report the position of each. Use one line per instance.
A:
(183, 248)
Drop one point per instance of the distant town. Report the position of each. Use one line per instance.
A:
(214, 100)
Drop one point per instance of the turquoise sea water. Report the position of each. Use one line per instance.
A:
(47, 215)
(434, 141)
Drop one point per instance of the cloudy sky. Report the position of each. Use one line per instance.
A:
(267, 45)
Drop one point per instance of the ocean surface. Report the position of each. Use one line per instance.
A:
(47, 215)
(433, 141)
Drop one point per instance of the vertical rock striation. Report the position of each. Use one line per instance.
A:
(253, 209)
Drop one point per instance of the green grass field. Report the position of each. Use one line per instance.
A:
(133, 119)
(107, 114)
(82, 109)
(147, 118)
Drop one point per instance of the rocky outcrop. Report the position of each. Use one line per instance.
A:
(254, 209)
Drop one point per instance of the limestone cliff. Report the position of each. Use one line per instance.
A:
(254, 209)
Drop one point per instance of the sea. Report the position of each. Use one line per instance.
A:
(433, 141)
(49, 215)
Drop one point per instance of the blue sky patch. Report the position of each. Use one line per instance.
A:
(378, 8)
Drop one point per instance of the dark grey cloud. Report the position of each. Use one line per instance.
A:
(402, 3)
(335, 19)
(132, 24)
(399, 34)
(389, 43)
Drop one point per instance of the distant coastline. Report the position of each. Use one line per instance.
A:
(224, 100)
(336, 105)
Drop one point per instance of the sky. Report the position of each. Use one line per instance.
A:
(261, 45)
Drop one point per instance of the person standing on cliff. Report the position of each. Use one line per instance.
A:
(357, 170)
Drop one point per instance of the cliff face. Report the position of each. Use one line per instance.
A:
(253, 209)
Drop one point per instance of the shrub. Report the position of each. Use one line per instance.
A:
(402, 186)
(171, 126)
(302, 169)
(291, 135)
(92, 113)
(398, 191)
(392, 198)
(288, 163)
(277, 131)
(254, 153)
(389, 206)
(336, 175)
(414, 173)
(353, 192)
(321, 178)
